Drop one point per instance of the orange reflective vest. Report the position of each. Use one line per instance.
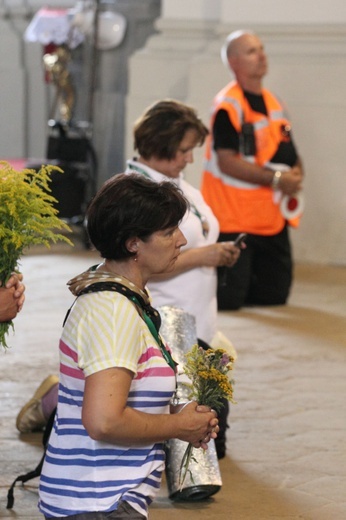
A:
(241, 206)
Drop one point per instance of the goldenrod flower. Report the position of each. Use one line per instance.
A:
(209, 385)
(27, 217)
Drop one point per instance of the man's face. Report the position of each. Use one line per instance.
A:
(248, 58)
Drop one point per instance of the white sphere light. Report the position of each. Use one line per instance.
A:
(111, 30)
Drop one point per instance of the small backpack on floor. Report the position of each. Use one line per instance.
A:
(37, 471)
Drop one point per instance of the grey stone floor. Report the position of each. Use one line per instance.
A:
(286, 456)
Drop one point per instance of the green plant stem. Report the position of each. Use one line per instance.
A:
(4, 329)
(184, 466)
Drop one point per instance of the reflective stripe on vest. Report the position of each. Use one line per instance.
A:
(240, 205)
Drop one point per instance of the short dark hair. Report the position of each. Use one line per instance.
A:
(160, 130)
(130, 205)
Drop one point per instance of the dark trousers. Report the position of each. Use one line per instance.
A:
(262, 275)
(124, 512)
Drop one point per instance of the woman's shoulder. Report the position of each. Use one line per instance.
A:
(190, 191)
(104, 304)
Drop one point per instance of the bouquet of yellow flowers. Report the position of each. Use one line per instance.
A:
(209, 384)
(27, 217)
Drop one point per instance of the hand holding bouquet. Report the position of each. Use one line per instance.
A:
(209, 384)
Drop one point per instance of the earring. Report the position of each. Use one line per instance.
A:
(136, 252)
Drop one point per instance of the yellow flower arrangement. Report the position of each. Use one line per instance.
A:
(209, 384)
(27, 217)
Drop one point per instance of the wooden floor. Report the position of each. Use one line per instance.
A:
(286, 456)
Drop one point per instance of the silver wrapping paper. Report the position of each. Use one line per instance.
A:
(178, 329)
(203, 478)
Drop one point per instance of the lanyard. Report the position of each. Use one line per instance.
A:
(138, 169)
(166, 354)
(202, 218)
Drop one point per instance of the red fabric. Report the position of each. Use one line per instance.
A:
(17, 164)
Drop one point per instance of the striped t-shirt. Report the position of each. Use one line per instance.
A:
(80, 474)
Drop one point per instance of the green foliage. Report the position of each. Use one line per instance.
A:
(27, 217)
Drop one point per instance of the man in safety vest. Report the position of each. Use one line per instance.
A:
(252, 179)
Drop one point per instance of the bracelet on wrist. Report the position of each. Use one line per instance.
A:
(276, 180)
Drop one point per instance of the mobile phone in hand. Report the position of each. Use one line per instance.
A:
(240, 239)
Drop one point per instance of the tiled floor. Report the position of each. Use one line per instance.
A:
(286, 455)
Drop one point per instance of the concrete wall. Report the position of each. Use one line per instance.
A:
(307, 58)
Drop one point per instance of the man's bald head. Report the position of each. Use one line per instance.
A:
(230, 45)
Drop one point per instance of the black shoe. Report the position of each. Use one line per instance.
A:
(220, 446)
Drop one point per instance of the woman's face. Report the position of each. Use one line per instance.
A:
(159, 253)
(172, 167)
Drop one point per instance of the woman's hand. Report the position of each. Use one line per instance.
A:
(214, 424)
(19, 288)
(214, 255)
(219, 254)
(200, 423)
(11, 297)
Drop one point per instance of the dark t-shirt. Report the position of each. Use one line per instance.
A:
(226, 136)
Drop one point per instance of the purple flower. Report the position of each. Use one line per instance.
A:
(224, 359)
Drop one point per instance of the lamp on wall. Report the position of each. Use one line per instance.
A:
(95, 21)
(72, 26)
(111, 25)
(106, 29)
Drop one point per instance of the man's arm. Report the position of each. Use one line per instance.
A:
(231, 164)
(226, 144)
(290, 181)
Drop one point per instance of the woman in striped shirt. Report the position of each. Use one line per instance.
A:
(117, 377)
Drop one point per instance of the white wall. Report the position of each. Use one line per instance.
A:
(281, 12)
(306, 44)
